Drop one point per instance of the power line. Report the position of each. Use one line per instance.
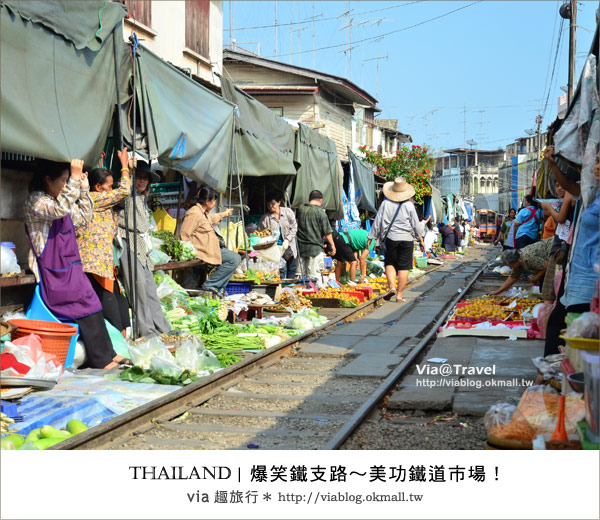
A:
(323, 19)
(550, 57)
(394, 32)
(560, 32)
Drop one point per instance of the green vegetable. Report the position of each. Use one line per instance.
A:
(6, 444)
(74, 426)
(50, 432)
(17, 440)
(45, 443)
(34, 435)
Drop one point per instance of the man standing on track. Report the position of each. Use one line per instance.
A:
(313, 225)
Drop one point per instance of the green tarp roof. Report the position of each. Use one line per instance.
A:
(56, 101)
(364, 180)
(320, 169)
(264, 143)
(85, 24)
(189, 128)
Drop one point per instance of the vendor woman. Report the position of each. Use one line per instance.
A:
(55, 204)
(150, 319)
(197, 228)
(96, 242)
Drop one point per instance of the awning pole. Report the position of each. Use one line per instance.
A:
(131, 289)
(134, 43)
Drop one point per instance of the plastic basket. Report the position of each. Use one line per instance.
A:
(421, 262)
(238, 288)
(55, 337)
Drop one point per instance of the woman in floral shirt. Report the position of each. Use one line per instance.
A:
(96, 242)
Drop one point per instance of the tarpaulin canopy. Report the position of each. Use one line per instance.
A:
(436, 199)
(85, 24)
(364, 182)
(189, 128)
(264, 142)
(320, 169)
(57, 102)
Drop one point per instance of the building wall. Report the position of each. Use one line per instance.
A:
(338, 126)
(166, 38)
(246, 74)
(301, 108)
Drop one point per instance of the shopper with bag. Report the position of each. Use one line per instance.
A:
(395, 227)
(59, 200)
(528, 223)
(283, 221)
(150, 319)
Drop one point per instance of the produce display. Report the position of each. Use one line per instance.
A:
(380, 283)
(341, 293)
(179, 251)
(261, 234)
(496, 308)
(294, 300)
(42, 438)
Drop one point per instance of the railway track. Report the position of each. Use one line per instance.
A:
(297, 395)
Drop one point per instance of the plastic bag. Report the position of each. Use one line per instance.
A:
(270, 254)
(8, 261)
(27, 351)
(499, 414)
(586, 326)
(164, 289)
(14, 316)
(164, 362)
(164, 221)
(158, 257)
(189, 252)
(542, 317)
(193, 356)
(506, 421)
(141, 353)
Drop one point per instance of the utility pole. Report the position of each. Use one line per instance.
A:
(377, 58)
(276, 28)
(572, 49)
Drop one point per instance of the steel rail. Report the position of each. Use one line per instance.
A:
(363, 412)
(179, 401)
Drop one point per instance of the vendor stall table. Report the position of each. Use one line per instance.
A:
(178, 265)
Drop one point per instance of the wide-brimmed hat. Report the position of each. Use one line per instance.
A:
(143, 166)
(398, 190)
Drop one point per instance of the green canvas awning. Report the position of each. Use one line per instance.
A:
(56, 101)
(364, 180)
(188, 127)
(320, 169)
(86, 24)
(264, 143)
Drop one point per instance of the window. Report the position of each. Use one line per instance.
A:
(140, 11)
(277, 110)
(197, 26)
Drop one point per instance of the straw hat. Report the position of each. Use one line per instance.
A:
(398, 190)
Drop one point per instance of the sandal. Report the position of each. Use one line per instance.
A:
(122, 361)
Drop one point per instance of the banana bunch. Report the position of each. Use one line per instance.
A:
(6, 422)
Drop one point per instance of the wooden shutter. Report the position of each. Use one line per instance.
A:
(140, 11)
(197, 26)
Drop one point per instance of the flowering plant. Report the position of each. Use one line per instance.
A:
(413, 163)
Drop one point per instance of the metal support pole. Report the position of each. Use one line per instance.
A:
(133, 285)
(572, 49)
(132, 293)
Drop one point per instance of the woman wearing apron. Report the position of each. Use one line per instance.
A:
(54, 204)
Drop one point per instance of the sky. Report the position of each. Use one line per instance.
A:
(478, 71)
